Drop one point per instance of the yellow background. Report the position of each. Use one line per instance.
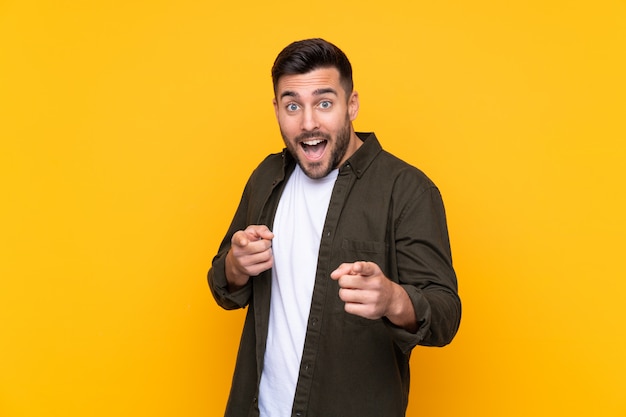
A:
(128, 129)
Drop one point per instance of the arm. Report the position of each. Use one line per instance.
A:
(424, 268)
(246, 254)
(245, 250)
(417, 292)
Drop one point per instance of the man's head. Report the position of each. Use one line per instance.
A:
(315, 105)
(307, 55)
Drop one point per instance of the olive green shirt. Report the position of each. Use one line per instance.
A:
(381, 210)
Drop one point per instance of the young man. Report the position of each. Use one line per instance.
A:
(341, 253)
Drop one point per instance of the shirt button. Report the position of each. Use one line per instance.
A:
(314, 322)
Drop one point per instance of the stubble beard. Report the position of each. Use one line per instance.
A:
(317, 170)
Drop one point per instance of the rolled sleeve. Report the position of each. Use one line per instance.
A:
(219, 287)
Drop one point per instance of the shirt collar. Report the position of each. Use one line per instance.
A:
(365, 155)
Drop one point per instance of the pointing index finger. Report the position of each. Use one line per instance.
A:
(352, 268)
(240, 239)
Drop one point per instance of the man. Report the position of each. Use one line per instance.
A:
(341, 253)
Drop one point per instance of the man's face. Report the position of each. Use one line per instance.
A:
(315, 119)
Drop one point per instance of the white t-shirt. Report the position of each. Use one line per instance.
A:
(297, 233)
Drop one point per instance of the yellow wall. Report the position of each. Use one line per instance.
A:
(128, 129)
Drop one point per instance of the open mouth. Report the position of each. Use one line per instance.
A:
(314, 148)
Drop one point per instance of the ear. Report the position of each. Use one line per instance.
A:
(353, 105)
(275, 107)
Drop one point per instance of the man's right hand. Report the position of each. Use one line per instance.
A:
(250, 254)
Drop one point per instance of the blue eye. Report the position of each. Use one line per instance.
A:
(326, 104)
(292, 107)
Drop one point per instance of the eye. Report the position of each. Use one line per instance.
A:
(292, 107)
(326, 104)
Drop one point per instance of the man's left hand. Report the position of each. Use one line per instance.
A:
(368, 293)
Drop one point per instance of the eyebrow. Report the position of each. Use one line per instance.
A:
(318, 92)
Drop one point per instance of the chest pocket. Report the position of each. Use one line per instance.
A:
(363, 250)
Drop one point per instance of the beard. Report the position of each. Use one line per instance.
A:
(339, 146)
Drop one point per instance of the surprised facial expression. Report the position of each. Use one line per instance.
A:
(315, 119)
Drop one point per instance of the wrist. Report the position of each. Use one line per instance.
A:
(400, 310)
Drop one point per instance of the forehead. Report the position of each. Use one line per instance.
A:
(306, 84)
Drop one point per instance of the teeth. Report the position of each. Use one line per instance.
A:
(313, 142)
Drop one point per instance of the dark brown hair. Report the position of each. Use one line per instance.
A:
(307, 55)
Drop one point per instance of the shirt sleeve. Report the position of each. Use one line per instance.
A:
(219, 287)
(217, 273)
(424, 268)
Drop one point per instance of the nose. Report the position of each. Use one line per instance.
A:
(309, 120)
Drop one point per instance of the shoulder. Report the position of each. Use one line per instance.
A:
(383, 168)
(269, 172)
(271, 162)
(404, 176)
(270, 167)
